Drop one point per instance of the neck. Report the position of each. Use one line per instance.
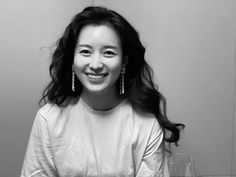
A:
(101, 101)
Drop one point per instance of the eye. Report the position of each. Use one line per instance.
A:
(85, 52)
(109, 53)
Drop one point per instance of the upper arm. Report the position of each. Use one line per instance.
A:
(38, 158)
(152, 163)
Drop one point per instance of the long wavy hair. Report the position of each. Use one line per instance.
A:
(140, 89)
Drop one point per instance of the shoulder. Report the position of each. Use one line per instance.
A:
(48, 109)
(49, 112)
(49, 115)
(146, 119)
(144, 122)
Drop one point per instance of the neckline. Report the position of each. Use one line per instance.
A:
(108, 111)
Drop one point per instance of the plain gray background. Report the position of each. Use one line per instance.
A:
(190, 45)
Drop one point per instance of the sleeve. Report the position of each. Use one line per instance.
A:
(38, 160)
(152, 164)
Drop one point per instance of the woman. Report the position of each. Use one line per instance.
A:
(103, 115)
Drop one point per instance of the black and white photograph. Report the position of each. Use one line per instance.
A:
(125, 88)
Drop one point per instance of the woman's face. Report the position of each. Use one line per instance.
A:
(98, 59)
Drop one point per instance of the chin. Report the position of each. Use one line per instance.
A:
(96, 91)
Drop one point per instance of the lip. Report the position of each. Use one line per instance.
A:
(96, 77)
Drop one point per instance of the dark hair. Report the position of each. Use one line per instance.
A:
(140, 90)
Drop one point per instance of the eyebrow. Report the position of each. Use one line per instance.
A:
(84, 45)
(104, 47)
(111, 47)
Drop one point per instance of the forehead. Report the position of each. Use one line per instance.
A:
(98, 34)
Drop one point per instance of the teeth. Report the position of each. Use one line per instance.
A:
(95, 76)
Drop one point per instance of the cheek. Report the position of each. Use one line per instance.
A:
(79, 62)
(116, 69)
(80, 65)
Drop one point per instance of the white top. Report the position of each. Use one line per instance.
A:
(77, 141)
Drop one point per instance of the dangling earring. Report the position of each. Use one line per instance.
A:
(122, 81)
(73, 78)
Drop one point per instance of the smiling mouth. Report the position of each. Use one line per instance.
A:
(96, 76)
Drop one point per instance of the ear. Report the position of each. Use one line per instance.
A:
(125, 61)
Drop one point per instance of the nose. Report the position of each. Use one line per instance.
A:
(96, 64)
